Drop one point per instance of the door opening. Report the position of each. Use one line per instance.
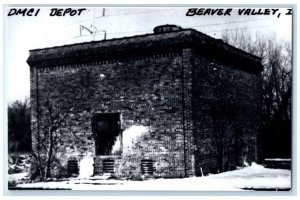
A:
(107, 132)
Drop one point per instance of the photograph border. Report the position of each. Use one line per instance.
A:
(293, 192)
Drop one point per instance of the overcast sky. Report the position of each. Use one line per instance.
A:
(25, 33)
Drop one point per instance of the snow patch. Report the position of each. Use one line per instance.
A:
(86, 168)
(278, 159)
(117, 146)
(255, 166)
(18, 176)
(130, 137)
(246, 164)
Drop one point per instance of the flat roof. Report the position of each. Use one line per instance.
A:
(138, 44)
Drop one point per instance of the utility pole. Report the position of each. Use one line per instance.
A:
(93, 29)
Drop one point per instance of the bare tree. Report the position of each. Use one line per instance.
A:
(53, 113)
(54, 117)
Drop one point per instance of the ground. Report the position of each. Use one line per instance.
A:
(254, 177)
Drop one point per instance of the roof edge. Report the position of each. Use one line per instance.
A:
(181, 38)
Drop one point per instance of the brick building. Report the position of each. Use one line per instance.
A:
(172, 103)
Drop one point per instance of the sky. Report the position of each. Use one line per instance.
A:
(31, 32)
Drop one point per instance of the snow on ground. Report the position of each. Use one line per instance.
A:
(253, 177)
(277, 159)
(17, 177)
(257, 177)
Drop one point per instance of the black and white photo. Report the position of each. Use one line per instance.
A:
(149, 98)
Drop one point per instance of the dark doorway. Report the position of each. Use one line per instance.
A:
(107, 132)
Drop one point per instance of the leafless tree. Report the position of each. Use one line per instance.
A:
(53, 116)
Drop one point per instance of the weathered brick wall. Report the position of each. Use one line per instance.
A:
(187, 84)
(147, 91)
(200, 113)
(226, 113)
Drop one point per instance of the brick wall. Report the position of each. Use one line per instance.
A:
(187, 83)
(201, 108)
(146, 91)
(226, 113)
